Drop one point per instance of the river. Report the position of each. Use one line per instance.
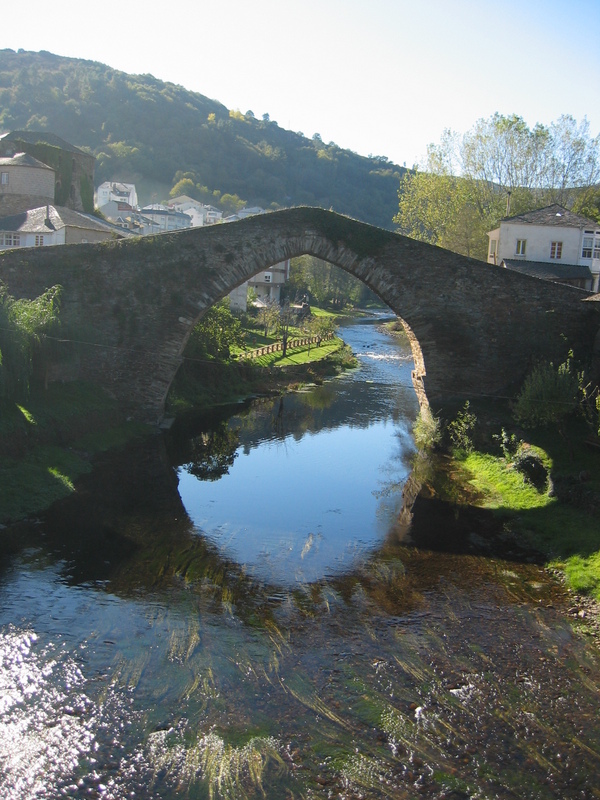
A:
(238, 609)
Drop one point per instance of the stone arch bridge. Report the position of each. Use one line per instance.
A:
(128, 306)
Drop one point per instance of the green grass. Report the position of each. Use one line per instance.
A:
(46, 443)
(300, 355)
(29, 485)
(563, 523)
(501, 484)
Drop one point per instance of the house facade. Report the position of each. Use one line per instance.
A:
(118, 192)
(73, 168)
(166, 219)
(129, 218)
(199, 213)
(551, 243)
(24, 182)
(53, 225)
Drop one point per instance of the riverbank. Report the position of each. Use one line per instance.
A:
(542, 488)
(51, 440)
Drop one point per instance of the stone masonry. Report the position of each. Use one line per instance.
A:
(128, 307)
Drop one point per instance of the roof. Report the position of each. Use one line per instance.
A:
(551, 215)
(163, 212)
(183, 198)
(23, 160)
(53, 218)
(548, 271)
(41, 137)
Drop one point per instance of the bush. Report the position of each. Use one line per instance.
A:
(460, 429)
(548, 396)
(427, 431)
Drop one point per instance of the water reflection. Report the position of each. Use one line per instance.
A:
(293, 507)
(139, 659)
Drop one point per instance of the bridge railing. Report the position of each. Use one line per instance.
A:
(291, 345)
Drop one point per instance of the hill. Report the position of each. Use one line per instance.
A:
(160, 135)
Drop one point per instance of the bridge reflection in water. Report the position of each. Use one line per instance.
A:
(142, 659)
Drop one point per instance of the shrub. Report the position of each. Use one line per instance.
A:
(460, 429)
(548, 396)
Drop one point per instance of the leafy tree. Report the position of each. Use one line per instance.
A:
(327, 285)
(216, 333)
(286, 320)
(185, 186)
(320, 327)
(461, 191)
(268, 316)
(587, 203)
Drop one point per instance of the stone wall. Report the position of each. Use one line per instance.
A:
(129, 306)
(28, 180)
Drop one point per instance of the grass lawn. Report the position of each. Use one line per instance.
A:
(46, 445)
(561, 519)
(300, 355)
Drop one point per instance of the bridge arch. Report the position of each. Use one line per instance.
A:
(474, 328)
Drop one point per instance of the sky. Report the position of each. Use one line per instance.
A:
(380, 77)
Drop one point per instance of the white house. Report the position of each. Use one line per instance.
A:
(199, 213)
(551, 243)
(167, 219)
(123, 215)
(50, 225)
(117, 191)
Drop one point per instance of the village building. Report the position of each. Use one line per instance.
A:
(551, 243)
(166, 219)
(54, 225)
(73, 170)
(118, 192)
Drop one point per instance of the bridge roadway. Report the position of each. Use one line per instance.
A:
(128, 306)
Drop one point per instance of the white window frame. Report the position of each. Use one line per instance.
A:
(4, 179)
(521, 247)
(39, 240)
(556, 250)
(587, 245)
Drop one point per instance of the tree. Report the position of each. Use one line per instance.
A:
(587, 203)
(268, 315)
(216, 333)
(461, 191)
(320, 327)
(287, 318)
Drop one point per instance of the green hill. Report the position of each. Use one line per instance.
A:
(158, 134)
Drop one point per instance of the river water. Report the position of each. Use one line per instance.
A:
(238, 609)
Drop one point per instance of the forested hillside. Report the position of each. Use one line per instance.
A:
(159, 135)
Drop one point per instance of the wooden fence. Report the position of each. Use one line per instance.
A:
(291, 345)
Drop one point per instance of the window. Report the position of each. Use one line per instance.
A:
(521, 244)
(586, 250)
(39, 240)
(5, 179)
(556, 250)
(493, 246)
(10, 239)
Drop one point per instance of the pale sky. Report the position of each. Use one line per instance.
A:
(380, 77)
